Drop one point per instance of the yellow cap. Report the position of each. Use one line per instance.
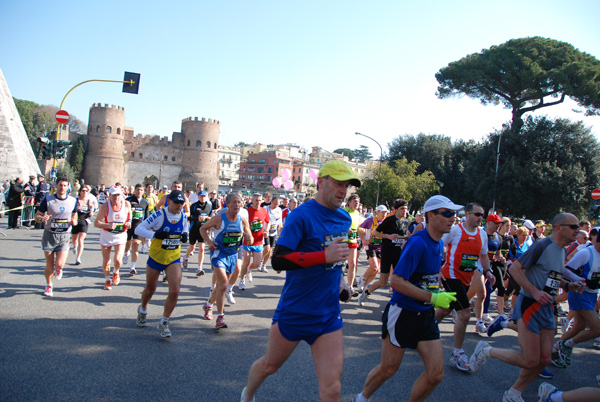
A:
(340, 172)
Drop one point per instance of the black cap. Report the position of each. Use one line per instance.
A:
(177, 196)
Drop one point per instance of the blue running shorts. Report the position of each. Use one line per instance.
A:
(302, 327)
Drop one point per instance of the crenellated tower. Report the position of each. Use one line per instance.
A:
(200, 153)
(104, 161)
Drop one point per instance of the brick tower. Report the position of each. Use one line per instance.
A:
(200, 153)
(104, 161)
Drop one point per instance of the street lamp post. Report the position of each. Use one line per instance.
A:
(496, 175)
(380, 158)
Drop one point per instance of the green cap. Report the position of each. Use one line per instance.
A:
(340, 172)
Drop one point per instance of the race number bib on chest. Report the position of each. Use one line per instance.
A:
(399, 241)
(232, 239)
(172, 242)
(469, 262)
(328, 240)
(552, 283)
(59, 225)
(137, 213)
(117, 229)
(256, 226)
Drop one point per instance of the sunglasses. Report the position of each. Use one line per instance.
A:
(572, 227)
(445, 214)
(477, 214)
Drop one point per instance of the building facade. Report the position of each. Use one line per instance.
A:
(115, 154)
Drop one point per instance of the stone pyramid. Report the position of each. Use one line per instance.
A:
(16, 154)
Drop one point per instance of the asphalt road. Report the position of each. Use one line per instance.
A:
(83, 344)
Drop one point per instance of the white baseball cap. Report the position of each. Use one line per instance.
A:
(381, 208)
(114, 190)
(439, 201)
(528, 224)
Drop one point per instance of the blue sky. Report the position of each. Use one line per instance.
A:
(310, 72)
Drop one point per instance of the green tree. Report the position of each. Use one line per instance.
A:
(345, 151)
(362, 154)
(39, 120)
(452, 164)
(64, 169)
(400, 180)
(77, 157)
(35, 121)
(524, 75)
(551, 166)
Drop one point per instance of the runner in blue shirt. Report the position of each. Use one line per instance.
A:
(409, 318)
(312, 248)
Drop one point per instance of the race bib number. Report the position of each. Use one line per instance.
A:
(430, 283)
(203, 218)
(117, 229)
(256, 226)
(552, 283)
(469, 263)
(172, 242)
(272, 228)
(352, 236)
(594, 282)
(399, 241)
(84, 209)
(137, 214)
(59, 225)
(330, 238)
(232, 239)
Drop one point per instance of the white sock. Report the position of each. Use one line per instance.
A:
(458, 351)
(132, 265)
(361, 398)
(212, 287)
(570, 343)
(107, 277)
(228, 288)
(164, 319)
(142, 310)
(556, 396)
(513, 393)
(504, 324)
(209, 304)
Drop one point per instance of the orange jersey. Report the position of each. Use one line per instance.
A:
(463, 254)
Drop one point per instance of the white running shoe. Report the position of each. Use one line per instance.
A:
(506, 398)
(487, 319)
(48, 291)
(126, 257)
(478, 358)
(242, 285)
(481, 329)
(163, 328)
(184, 263)
(199, 272)
(59, 274)
(545, 391)
(264, 269)
(249, 276)
(363, 298)
(361, 284)
(230, 298)
(460, 361)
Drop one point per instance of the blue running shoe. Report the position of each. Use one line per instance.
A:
(546, 374)
(496, 325)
